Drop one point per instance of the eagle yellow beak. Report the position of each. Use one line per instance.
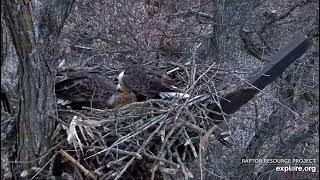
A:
(119, 87)
(122, 88)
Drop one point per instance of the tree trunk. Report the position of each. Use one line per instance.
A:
(34, 27)
(216, 31)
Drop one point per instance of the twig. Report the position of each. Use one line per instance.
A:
(42, 168)
(86, 172)
(119, 151)
(125, 138)
(187, 174)
(161, 159)
(125, 168)
(91, 100)
(190, 144)
(111, 163)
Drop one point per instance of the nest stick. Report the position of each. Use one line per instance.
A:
(189, 142)
(125, 138)
(75, 162)
(118, 161)
(184, 169)
(161, 159)
(125, 168)
(138, 152)
(118, 151)
(205, 139)
(154, 169)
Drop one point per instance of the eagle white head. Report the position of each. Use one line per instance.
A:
(120, 85)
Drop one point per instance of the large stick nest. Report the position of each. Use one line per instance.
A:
(144, 139)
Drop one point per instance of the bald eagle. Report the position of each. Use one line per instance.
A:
(90, 89)
(148, 83)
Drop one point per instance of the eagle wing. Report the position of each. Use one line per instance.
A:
(85, 87)
(147, 82)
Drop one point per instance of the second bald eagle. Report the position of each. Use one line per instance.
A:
(149, 83)
(90, 89)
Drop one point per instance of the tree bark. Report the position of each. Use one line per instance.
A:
(34, 27)
(216, 31)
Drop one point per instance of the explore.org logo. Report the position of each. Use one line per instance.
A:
(296, 169)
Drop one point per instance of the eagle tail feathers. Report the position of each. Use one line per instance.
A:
(63, 102)
(174, 88)
(170, 95)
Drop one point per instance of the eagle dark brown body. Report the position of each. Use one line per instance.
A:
(147, 82)
(90, 89)
(82, 88)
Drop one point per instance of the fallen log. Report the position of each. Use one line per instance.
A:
(241, 94)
